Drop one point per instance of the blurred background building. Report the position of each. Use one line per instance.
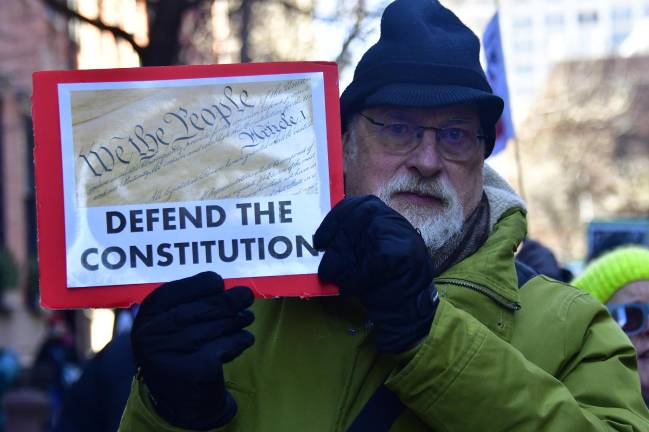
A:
(585, 150)
(542, 33)
(538, 34)
(31, 38)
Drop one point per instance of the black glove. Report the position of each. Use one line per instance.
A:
(183, 333)
(373, 253)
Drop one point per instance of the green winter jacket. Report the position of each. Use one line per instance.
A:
(542, 357)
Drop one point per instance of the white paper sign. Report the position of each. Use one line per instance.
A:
(164, 179)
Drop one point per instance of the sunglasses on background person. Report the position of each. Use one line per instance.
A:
(632, 317)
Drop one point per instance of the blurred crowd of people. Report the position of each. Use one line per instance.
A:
(60, 389)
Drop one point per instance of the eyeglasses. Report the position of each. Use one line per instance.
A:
(632, 317)
(454, 143)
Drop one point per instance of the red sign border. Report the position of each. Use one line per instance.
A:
(49, 180)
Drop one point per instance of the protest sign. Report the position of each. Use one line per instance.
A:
(147, 175)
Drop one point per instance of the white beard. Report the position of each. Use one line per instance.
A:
(437, 227)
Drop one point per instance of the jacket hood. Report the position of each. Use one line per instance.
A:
(502, 198)
(492, 265)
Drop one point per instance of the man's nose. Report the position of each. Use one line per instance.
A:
(426, 158)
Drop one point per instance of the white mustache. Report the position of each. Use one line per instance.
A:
(436, 227)
(437, 188)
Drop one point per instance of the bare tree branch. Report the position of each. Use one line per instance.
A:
(164, 31)
(360, 13)
(164, 28)
(360, 29)
(118, 32)
(295, 8)
(166, 43)
(244, 30)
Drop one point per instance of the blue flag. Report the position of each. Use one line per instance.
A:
(497, 77)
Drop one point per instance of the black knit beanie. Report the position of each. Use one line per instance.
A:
(425, 57)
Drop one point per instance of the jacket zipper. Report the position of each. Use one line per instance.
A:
(511, 305)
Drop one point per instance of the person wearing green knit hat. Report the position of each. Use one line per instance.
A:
(620, 279)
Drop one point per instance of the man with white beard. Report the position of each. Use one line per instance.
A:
(436, 327)
(438, 220)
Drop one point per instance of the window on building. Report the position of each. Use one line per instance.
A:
(523, 46)
(554, 21)
(521, 23)
(621, 22)
(618, 37)
(621, 13)
(586, 47)
(587, 17)
(524, 69)
(621, 19)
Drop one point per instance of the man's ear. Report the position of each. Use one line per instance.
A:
(346, 151)
(346, 156)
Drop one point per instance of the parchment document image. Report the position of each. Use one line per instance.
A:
(148, 145)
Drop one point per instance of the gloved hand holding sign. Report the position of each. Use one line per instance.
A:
(373, 253)
(184, 332)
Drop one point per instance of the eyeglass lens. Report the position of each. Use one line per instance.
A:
(455, 143)
(630, 317)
